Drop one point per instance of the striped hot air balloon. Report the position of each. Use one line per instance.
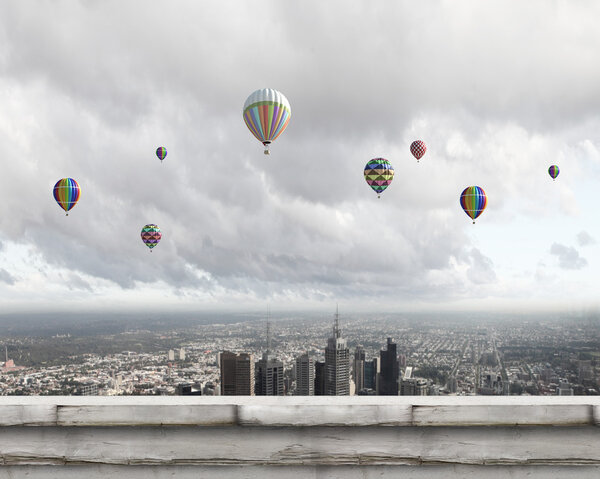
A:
(553, 171)
(473, 200)
(267, 113)
(66, 193)
(161, 153)
(379, 174)
(151, 235)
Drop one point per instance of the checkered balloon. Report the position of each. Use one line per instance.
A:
(418, 149)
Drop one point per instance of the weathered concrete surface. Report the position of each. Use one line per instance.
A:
(301, 472)
(300, 437)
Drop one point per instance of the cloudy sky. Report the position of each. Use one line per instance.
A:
(498, 90)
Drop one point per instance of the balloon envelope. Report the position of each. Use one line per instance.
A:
(553, 171)
(267, 113)
(66, 193)
(473, 200)
(161, 152)
(151, 235)
(418, 149)
(379, 174)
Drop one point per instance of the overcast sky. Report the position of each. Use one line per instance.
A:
(498, 91)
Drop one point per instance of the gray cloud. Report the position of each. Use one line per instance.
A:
(585, 239)
(92, 94)
(481, 270)
(6, 277)
(568, 257)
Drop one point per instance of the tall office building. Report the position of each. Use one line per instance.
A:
(237, 374)
(410, 386)
(337, 363)
(319, 378)
(269, 372)
(388, 381)
(358, 368)
(371, 374)
(305, 376)
(269, 377)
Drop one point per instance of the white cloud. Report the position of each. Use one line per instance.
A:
(92, 94)
(568, 257)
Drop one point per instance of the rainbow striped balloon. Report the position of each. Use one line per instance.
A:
(379, 174)
(473, 200)
(66, 193)
(267, 113)
(553, 171)
(151, 235)
(161, 152)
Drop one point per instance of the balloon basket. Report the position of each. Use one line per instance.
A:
(67, 214)
(473, 222)
(267, 152)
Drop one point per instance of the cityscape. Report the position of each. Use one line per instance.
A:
(313, 355)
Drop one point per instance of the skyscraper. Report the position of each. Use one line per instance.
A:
(305, 376)
(358, 368)
(337, 363)
(371, 374)
(388, 382)
(269, 377)
(237, 374)
(319, 378)
(269, 372)
(411, 386)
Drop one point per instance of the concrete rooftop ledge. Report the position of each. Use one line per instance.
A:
(311, 436)
(353, 411)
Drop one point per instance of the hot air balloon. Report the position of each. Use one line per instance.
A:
(151, 235)
(473, 200)
(66, 193)
(379, 173)
(553, 171)
(267, 113)
(161, 152)
(418, 149)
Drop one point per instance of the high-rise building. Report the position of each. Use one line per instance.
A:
(410, 386)
(337, 363)
(388, 381)
(319, 378)
(182, 354)
(171, 356)
(269, 372)
(371, 374)
(305, 376)
(358, 368)
(237, 374)
(269, 377)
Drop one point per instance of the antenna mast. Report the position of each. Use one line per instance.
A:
(268, 330)
(336, 323)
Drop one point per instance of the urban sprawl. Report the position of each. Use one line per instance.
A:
(336, 356)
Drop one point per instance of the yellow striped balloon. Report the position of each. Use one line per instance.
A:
(267, 113)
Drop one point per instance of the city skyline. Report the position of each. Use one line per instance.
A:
(497, 91)
(428, 357)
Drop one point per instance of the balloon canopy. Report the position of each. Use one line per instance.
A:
(553, 171)
(418, 149)
(151, 235)
(161, 152)
(379, 174)
(66, 193)
(473, 200)
(267, 113)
